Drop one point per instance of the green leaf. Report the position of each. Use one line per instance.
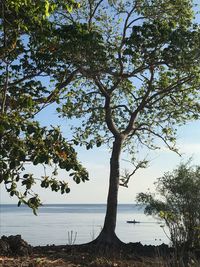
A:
(67, 190)
(98, 143)
(47, 5)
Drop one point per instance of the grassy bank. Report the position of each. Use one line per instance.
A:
(77, 258)
(41, 261)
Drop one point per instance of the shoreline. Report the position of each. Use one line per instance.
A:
(15, 252)
(20, 253)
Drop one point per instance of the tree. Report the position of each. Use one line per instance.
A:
(177, 203)
(137, 79)
(127, 70)
(23, 95)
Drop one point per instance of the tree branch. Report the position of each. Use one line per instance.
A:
(108, 110)
(130, 126)
(162, 138)
(58, 89)
(125, 179)
(101, 87)
(169, 89)
(5, 88)
(92, 13)
(123, 38)
(123, 106)
(32, 75)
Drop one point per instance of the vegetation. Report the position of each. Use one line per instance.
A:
(137, 78)
(23, 95)
(177, 203)
(127, 70)
(80, 258)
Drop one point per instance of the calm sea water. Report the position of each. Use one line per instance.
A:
(60, 224)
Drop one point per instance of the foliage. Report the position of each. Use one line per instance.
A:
(24, 93)
(137, 79)
(127, 70)
(177, 203)
(138, 74)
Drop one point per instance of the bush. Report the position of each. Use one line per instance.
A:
(177, 203)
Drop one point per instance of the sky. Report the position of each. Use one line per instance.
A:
(97, 163)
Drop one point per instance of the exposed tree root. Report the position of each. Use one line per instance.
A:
(105, 244)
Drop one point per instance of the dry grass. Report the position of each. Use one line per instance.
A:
(36, 261)
(77, 258)
(33, 262)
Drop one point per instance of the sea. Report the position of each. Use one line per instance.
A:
(62, 224)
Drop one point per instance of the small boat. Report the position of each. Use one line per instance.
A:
(134, 221)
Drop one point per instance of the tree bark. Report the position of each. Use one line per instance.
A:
(107, 235)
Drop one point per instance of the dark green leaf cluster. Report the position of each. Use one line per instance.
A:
(156, 42)
(181, 12)
(82, 45)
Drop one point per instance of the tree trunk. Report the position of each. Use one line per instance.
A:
(107, 235)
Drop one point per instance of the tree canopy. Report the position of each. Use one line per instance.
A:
(24, 93)
(127, 70)
(144, 67)
(137, 78)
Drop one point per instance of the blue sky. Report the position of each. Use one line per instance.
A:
(97, 163)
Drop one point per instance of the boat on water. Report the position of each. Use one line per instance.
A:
(133, 221)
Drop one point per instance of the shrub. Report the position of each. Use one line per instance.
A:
(177, 203)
